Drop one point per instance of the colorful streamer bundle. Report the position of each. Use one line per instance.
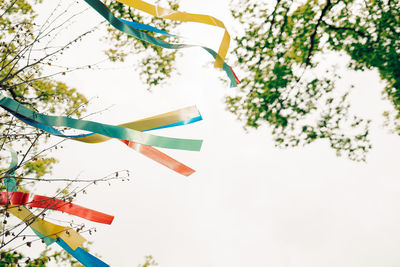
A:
(66, 237)
(133, 29)
(132, 133)
(112, 131)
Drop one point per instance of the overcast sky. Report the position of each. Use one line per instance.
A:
(249, 203)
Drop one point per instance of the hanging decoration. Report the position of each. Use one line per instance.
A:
(132, 133)
(66, 237)
(165, 13)
(51, 203)
(133, 29)
(112, 131)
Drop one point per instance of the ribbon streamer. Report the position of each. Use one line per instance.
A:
(160, 157)
(145, 150)
(49, 229)
(132, 31)
(166, 120)
(103, 129)
(78, 253)
(9, 182)
(165, 13)
(174, 118)
(38, 201)
(82, 256)
(141, 26)
(46, 230)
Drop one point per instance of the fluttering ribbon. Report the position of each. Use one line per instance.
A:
(9, 182)
(166, 120)
(80, 254)
(174, 118)
(133, 29)
(38, 201)
(160, 157)
(46, 228)
(165, 13)
(112, 131)
(132, 134)
(141, 26)
(66, 237)
(73, 238)
(145, 150)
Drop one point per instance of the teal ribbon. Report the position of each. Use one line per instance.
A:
(11, 186)
(131, 28)
(54, 131)
(112, 131)
(141, 26)
(9, 182)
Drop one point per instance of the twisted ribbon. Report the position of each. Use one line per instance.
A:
(175, 118)
(133, 29)
(165, 13)
(112, 131)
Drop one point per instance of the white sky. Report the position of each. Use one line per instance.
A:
(249, 203)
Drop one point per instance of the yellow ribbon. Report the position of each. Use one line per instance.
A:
(165, 13)
(70, 236)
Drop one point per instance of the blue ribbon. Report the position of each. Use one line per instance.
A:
(82, 255)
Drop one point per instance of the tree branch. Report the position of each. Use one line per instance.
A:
(314, 34)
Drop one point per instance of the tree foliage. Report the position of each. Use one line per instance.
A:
(46, 257)
(28, 70)
(26, 50)
(14, 259)
(286, 83)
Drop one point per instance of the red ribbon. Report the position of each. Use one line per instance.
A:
(160, 157)
(37, 201)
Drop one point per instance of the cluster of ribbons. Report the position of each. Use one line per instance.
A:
(133, 134)
(135, 29)
(66, 237)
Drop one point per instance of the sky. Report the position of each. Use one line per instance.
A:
(249, 203)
